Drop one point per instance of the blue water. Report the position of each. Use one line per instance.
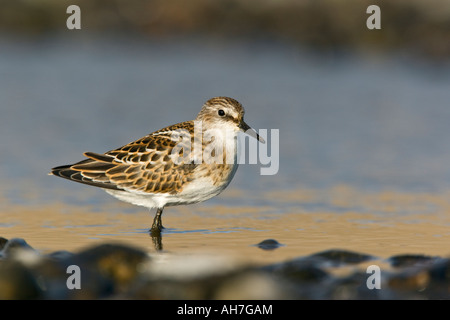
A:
(371, 122)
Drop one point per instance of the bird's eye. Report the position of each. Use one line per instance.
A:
(221, 113)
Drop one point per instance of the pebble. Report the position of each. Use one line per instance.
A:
(120, 271)
(407, 260)
(269, 244)
(341, 257)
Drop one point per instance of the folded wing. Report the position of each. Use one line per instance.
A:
(145, 165)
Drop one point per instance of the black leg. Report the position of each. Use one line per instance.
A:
(155, 231)
(157, 222)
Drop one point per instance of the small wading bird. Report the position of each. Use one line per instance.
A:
(148, 172)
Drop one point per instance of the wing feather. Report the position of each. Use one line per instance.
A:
(145, 165)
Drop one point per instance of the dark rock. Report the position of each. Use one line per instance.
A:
(14, 246)
(119, 263)
(269, 244)
(408, 260)
(105, 270)
(17, 282)
(61, 255)
(117, 271)
(54, 275)
(422, 281)
(409, 281)
(352, 287)
(299, 270)
(339, 257)
(439, 286)
(3, 241)
(440, 271)
(187, 288)
(241, 283)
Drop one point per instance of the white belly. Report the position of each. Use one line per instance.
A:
(201, 188)
(198, 190)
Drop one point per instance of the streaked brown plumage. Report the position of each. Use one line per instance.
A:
(142, 165)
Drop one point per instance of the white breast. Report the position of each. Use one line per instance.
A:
(201, 188)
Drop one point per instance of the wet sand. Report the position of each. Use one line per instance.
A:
(382, 224)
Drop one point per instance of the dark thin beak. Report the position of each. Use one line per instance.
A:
(252, 133)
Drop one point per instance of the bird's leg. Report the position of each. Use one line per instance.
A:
(157, 222)
(155, 231)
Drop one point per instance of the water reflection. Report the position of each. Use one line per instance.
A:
(156, 236)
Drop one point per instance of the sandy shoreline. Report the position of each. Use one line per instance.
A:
(387, 223)
(327, 239)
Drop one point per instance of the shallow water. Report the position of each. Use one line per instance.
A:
(382, 224)
(364, 156)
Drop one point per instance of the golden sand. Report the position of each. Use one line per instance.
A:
(377, 223)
